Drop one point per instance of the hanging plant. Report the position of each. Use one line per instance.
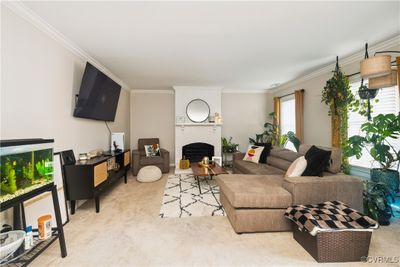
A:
(336, 93)
(338, 96)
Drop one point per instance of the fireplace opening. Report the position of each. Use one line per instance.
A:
(195, 152)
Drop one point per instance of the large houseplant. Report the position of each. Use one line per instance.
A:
(269, 135)
(376, 204)
(378, 139)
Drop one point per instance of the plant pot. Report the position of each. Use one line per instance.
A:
(389, 177)
(384, 217)
(367, 93)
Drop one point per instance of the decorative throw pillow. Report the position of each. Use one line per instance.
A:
(317, 161)
(297, 167)
(253, 153)
(265, 152)
(152, 150)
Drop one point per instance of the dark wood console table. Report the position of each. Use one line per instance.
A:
(88, 179)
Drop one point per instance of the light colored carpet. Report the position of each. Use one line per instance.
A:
(129, 232)
(182, 197)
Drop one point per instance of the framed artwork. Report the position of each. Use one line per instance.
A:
(217, 160)
(43, 204)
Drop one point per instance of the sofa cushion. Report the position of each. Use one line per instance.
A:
(151, 160)
(254, 191)
(265, 152)
(253, 153)
(317, 161)
(284, 153)
(297, 167)
(254, 168)
(335, 160)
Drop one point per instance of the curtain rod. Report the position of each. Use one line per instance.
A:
(302, 90)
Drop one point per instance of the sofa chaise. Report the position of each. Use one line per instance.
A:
(256, 196)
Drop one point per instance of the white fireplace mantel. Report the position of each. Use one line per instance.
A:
(188, 132)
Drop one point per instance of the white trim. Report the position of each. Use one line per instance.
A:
(26, 13)
(144, 91)
(233, 91)
(358, 56)
(216, 88)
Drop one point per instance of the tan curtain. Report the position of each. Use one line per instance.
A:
(277, 113)
(299, 103)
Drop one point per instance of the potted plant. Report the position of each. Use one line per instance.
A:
(269, 135)
(377, 140)
(375, 202)
(290, 137)
(228, 146)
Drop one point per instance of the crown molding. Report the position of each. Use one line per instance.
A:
(215, 88)
(241, 91)
(30, 16)
(144, 91)
(356, 57)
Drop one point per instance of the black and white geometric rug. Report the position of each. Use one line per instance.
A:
(183, 199)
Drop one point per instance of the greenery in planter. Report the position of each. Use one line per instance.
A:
(377, 132)
(269, 135)
(228, 146)
(375, 200)
(338, 96)
(376, 142)
(290, 137)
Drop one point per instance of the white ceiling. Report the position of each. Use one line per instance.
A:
(236, 45)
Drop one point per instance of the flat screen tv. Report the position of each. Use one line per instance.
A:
(98, 96)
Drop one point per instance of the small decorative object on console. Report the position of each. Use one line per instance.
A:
(117, 141)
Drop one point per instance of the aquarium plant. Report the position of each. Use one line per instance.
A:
(28, 172)
(9, 181)
(44, 169)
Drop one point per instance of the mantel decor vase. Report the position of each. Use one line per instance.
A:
(389, 177)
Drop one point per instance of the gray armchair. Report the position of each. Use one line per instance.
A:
(140, 160)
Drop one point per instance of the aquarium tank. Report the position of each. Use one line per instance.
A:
(25, 165)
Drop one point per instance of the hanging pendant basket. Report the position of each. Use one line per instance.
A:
(366, 93)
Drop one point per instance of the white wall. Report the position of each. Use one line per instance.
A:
(317, 123)
(244, 115)
(39, 80)
(152, 115)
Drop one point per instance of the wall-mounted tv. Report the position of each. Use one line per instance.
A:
(98, 96)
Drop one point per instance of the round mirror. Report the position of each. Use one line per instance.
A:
(198, 110)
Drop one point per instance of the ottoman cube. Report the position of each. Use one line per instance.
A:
(332, 231)
(149, 174)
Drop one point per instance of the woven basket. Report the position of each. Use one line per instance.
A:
(339, 246)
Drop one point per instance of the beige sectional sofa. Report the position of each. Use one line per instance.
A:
(256, 196)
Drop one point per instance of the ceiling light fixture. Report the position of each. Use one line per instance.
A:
(378, 69)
